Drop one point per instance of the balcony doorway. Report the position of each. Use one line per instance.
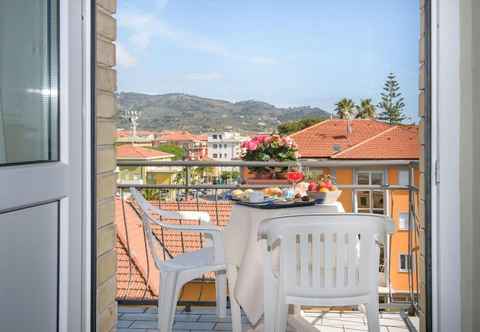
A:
(195, 163)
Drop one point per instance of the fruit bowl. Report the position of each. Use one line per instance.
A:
(325, 197)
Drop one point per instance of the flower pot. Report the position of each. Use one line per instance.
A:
(281, 175)
(264, 175)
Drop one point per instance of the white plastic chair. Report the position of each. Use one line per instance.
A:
(176, 272)
(324, 260)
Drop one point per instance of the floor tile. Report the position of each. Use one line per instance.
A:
(194, 326)
(137, 316)
(202, 319)
(144, 324)
(124, 323)
(223, 327)
(132, 309)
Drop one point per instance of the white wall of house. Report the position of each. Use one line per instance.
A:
(224, 146)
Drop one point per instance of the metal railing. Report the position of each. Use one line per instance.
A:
(194, 191)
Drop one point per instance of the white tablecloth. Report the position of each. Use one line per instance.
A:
(243, 250)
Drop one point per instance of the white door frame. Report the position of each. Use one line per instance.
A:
(68, 180)
(88, 174)
(75, 60)
(445, 116)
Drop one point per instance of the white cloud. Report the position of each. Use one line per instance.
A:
(144, 27)
(124, 58)
(204, 76)
(141, 27)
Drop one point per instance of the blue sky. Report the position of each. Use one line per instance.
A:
(285, 52)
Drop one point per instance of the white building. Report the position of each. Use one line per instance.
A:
(225, 146)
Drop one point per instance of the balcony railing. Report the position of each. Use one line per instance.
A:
(196, 188)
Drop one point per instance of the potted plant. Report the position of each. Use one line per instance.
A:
(269, 148)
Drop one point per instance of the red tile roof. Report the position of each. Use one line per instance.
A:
(144, 264)
(202, 138)
(131, 283)
(398, 142)
(374, 140)
(129, 133)
(130, 151)
(175, 136)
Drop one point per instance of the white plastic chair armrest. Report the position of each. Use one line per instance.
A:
(213, 231)
(195, 215)
(202, 228)
(202, 216)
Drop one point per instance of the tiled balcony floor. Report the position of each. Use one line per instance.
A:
(144, 319)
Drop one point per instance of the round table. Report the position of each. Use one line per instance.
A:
(244, 251)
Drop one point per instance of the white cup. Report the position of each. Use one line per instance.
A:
(256, 197)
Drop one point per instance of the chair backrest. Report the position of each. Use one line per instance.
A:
(156, 249)
(326, 255)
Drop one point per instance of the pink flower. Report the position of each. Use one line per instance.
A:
(261, 138)
(251, 145)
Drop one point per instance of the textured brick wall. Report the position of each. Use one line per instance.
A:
(421, 263)
(106, 82)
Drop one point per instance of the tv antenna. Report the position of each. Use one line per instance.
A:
(132, 115)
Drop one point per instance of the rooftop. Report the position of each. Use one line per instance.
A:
(219, 215)
(358, 139)
(129, 133)
(175, 136)
(134, 152)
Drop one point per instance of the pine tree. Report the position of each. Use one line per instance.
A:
(392, 106)
(345, 108)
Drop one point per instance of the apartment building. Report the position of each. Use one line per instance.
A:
(224, 146)
(388, 149)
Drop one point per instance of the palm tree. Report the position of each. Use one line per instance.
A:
(366, 110)
(345, 108)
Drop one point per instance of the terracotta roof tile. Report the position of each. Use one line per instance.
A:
(173, 136)
(139, 133)
(332, 138)
(130, 151)
(144, 264)
(399, 142)
(131, 286)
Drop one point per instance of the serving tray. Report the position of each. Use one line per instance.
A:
(277, 204)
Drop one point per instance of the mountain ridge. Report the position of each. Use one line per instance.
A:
(197, 114)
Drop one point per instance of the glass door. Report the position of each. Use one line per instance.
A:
(41, 172)
(28, 81)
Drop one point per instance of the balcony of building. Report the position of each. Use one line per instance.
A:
(137, 294)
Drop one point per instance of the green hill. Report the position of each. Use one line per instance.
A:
(196, 114)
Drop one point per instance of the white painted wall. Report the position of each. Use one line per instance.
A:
(224, 146)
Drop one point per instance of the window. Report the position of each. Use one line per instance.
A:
(370, 201)
(403, 177)
(405, 263)
(225, 146)
(403, 221)
(214, 136)
(214, 155)
(214, 146)
(28, 82)
(225, 155)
